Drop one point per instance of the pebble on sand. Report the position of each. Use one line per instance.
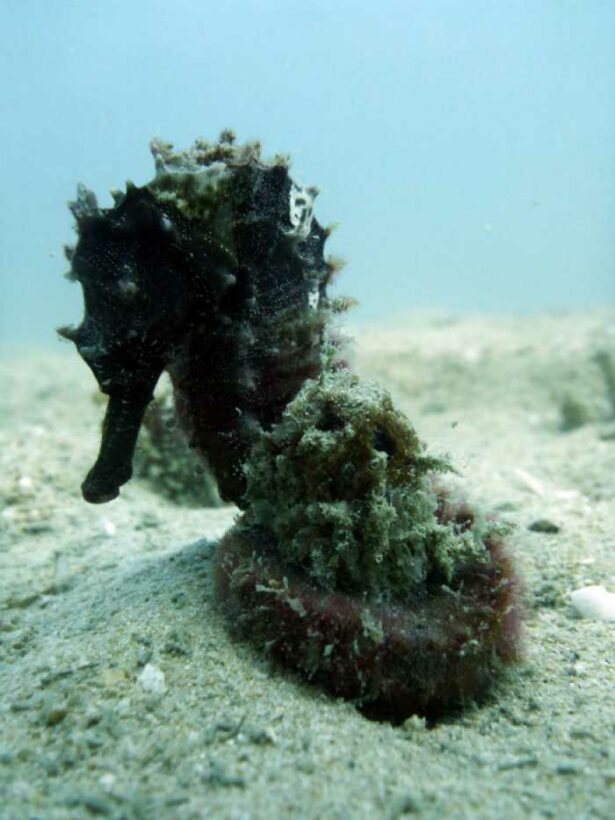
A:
(594, 602)
(152, 680)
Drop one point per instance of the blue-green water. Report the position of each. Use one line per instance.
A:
(466, 148)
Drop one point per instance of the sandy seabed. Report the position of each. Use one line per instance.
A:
(122, 695)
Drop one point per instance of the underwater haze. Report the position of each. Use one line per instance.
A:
(466, 148)
(265, 571)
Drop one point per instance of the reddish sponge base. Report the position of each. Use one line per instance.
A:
(428, 656)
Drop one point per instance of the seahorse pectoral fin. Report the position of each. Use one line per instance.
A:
(120, 430)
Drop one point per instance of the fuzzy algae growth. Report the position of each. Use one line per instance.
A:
(352, 565)
(346, 488)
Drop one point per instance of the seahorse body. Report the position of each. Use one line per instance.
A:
(349, 563)
(215, 272)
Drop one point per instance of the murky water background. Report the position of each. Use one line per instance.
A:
(465, 148)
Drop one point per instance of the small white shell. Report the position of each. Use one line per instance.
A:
(594, 602)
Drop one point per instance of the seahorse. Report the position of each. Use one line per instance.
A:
(350, 563)
(215, 272)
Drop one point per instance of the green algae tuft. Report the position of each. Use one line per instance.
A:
(347, 489)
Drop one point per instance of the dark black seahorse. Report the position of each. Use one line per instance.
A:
(215, 272)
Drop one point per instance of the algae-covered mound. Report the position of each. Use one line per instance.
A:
(346, 487)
